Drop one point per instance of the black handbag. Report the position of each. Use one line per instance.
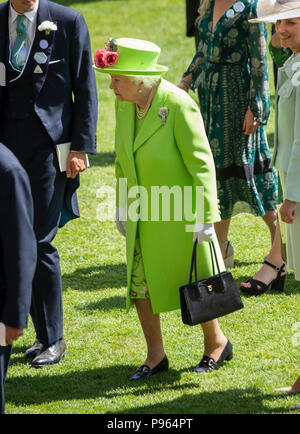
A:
(209, 298)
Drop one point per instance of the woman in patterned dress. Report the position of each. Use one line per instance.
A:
(230, 69)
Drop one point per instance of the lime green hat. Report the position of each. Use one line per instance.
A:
(128, 56)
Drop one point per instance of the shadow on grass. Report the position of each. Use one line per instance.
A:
(231, 401)
(95, 278)
(104, 382)
(102, 159)
(238, 263)
(113, 382)
(106, 304)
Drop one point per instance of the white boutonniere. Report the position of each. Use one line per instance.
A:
(48, 26)
(163, 113)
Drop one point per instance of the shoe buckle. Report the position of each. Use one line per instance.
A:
(211, 363)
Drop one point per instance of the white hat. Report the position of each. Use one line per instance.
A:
(270, 11)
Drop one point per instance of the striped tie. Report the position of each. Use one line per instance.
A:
(19, 42)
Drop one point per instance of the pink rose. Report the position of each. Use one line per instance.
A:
(100, 58)
(111, 58)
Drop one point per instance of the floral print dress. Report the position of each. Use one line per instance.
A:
(230, 71)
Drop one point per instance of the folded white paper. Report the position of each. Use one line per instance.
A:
(2, 335)
(62, 151)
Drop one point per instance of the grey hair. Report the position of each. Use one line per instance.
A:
(148, 80)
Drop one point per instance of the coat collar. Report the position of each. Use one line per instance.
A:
(153, 121)
(289, 67)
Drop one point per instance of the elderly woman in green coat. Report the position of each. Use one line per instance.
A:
(166, 194)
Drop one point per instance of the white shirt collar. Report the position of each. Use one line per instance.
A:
(29, 15)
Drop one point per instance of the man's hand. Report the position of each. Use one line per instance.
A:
(12, 334)
(275, 41)
(76, 163)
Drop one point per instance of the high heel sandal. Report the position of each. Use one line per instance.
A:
(229, 254)
(276, 284)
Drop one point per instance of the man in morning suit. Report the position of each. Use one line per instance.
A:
(17, 256)
(49, 98)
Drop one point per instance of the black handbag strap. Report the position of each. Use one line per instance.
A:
(213, 256)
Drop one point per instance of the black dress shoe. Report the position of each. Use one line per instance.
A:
(207, 363)
(144, 371)
(50, 355)
(35, 350)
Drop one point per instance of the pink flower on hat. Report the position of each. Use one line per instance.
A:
(99, 58)
(105, 58)
(111, 58)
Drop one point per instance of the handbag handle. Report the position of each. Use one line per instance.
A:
(213, 256)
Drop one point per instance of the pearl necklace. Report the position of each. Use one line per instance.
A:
(141, 113)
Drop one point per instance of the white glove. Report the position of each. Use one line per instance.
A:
(120, 220)
(203, 232)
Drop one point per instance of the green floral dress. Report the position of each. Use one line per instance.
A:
(230, 70)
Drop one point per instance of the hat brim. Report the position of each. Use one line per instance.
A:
(293, 13)
(158, 70)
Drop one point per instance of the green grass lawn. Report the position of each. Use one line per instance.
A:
(104, 344)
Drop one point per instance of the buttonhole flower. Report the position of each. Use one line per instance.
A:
(47, 26)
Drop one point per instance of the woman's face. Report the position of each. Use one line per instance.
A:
(124, 88)
(289, 33)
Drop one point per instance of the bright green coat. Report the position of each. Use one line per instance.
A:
(174, 154)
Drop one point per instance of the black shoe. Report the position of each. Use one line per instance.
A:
(144, 371)
(50, 355)
(35, 350)
(207, 363)
(276, 284)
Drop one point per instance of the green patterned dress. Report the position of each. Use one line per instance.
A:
(230, 70)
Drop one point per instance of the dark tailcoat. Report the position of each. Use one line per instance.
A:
(17, 250)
